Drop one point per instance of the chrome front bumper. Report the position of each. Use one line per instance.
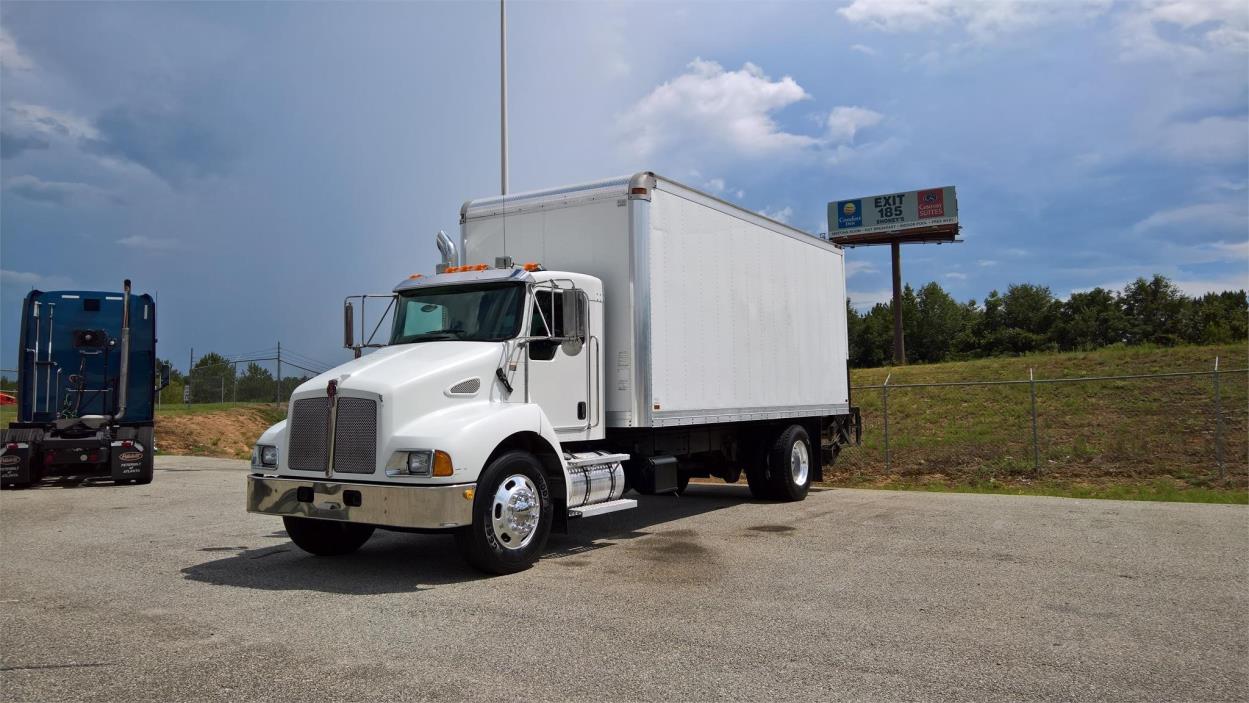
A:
(422, 507)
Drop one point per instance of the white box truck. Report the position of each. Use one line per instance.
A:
(625, 334)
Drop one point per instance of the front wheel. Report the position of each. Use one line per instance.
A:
(512, 516)
(326, 538)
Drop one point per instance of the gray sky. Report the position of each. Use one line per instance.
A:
(253, 163)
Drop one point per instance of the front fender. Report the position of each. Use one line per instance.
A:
(469, 432)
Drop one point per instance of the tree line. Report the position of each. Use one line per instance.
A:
(214, 378)
(1029, 318)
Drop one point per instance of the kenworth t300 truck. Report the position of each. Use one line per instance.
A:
(626, 334)
(87, 384)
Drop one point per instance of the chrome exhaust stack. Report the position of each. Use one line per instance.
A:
(123, 376)
(450, 256)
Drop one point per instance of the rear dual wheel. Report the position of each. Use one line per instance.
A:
(781, 470)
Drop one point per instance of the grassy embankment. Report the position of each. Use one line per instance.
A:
(1147, 439)
(212, 429)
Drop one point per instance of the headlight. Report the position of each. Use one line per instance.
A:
(265, 455)
(419, 462)
(410, 462)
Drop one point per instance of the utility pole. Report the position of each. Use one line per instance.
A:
(503, 93)
(899, 345)
(278, 399)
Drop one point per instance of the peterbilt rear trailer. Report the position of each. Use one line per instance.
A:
(624, 334)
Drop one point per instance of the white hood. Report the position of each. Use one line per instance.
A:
(411, 367)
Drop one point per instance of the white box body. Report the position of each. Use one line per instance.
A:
(713, 313)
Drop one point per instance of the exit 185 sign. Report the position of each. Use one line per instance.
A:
(890, 212)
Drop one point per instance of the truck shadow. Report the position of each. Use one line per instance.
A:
(394, 562)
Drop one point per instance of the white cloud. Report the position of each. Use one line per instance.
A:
(1148, 29)
(27, 279)
(853, 268)
(715, 185)
(1219, 216)
(1210, 139)
(986, 263)
(781, 215)
(139, 241)
(844, 122)
(56, 192)
(863, 300)
(984, 20)
(956, 276)
(11, 58)
(863, 49)
(44, 120)
(715, 107)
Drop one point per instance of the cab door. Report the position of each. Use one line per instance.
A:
(558, 368)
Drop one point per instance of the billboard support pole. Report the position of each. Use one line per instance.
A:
(899, 345)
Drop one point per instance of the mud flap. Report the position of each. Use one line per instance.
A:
(126, 462)
(15, 464)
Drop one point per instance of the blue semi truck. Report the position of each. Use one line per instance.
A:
(87, 383)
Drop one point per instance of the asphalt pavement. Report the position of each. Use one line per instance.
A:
(171, 592)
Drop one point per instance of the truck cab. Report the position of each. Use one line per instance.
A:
(87, 383)
(486, 367)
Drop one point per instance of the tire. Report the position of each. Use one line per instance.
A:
(756, 469)
(789, 465)
(507, 536)
(326, 538)
(756, 478)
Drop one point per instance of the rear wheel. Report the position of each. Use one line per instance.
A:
(326, 538)
(789, 464)
(512, 516)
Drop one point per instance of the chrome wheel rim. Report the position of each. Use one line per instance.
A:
(799, 462)
(515, 512)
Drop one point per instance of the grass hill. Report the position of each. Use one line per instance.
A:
(1140, 438)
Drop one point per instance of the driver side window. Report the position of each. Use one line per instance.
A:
(548, 319)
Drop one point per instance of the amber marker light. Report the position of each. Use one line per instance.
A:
(442, 464)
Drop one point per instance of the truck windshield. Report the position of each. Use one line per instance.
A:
(480, 313)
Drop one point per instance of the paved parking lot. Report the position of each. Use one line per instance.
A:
(172, 592)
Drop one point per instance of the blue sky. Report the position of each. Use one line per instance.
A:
(254, 163)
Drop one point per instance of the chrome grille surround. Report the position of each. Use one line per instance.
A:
(309, 427)
(355, 436)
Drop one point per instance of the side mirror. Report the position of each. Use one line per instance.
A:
(574, 321)
(164, 378)
(349, 327)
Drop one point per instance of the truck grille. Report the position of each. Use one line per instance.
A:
(355, 435)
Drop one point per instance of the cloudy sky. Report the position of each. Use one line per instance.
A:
(254, 163)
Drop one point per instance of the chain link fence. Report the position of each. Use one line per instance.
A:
(262, 376)
(1187, 426)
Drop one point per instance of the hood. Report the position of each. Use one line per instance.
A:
(390, 369)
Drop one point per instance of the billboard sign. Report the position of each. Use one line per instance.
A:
(893, 212)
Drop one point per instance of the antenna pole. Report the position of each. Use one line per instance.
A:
(503, 93)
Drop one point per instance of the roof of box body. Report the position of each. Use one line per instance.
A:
(618, 187)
